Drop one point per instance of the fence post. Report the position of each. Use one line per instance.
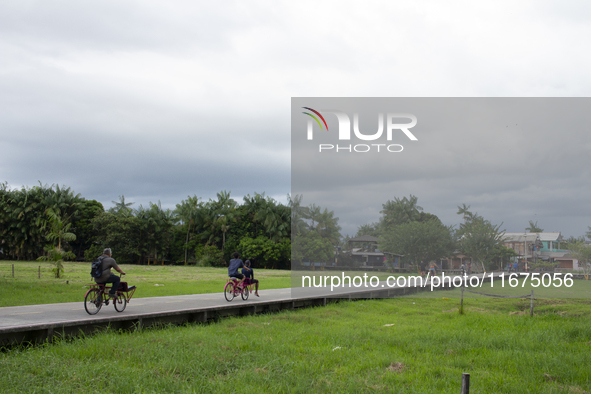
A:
(13, 270)
(465, 383)
(39, 272)
(531, 304)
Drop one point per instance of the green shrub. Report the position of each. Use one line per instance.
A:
(93, 252)
(209, 256)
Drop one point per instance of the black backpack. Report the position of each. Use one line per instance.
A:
(96, 269)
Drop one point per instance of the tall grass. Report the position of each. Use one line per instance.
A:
(401, 345)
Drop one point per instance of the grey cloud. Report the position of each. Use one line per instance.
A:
(193, 97)
(512, 160)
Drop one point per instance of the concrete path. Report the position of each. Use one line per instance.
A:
(36, 323)
(16, 316)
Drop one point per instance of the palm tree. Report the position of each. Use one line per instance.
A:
(63, 200)
(122, 208)
(298, 226)
(400, 211)
(312, 213)
(188, 212)
(328, 226)
(274, 217)
(224, 226)
(221, 213)
(463, 210)
(217, 216)
(59, 229)
(533, 227)
(25, 213)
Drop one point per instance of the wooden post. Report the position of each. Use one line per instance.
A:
(13, 270)
(465, 383)
(531, 304)
(39, 272)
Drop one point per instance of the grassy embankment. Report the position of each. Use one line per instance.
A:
(152, 281)
(155, 280)
(577, 288)
(405, 345)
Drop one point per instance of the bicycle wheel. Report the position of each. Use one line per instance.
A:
(120, 303)
(93, 301)
(245, 293)
(229, 291)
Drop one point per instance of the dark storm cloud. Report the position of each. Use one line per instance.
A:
(158, 162)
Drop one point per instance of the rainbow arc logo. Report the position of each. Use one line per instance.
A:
(315, 118)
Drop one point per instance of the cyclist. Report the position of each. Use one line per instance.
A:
(249, 277)
(107, 277)
(235, 264)
(432, 270)
(423, 268)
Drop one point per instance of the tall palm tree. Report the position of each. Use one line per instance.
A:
(121, 207)
(534, 228)
(312, 213)
(188, 212)
(59, 228)
(298, 226)
(216, 217)
(464, 210)
(328, 226)
(400, 211)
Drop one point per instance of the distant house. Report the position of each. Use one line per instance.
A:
(542, 246)
(455, 261)
(524, 244)
(368, 254)
(550, 242)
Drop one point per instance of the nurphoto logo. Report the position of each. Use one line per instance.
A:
(344, 133)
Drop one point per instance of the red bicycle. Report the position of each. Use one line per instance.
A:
(234, 288)
(97, 295)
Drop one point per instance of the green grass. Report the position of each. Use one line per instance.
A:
(404, 345)
(27, 289)
(580, 289)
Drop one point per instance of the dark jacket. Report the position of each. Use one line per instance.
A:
(108, 263)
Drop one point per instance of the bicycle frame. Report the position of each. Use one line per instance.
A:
(104, 289)
(239, 288)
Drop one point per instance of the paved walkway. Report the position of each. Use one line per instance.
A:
(33, 323)
(16, 316)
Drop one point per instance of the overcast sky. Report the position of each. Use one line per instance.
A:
(157, 100)
(511, 159)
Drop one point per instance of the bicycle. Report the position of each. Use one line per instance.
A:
(233, 288)
(94, 300)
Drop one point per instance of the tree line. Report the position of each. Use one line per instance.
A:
(405, 229)
(34, 221)
(54, 223)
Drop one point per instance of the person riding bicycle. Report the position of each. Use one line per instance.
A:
(423, 268)
(249, 277)
(107, 277)
(235, 264)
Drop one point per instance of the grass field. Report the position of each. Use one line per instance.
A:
(156, 280)
(580, 289)
(404, 345)
(152, 281)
